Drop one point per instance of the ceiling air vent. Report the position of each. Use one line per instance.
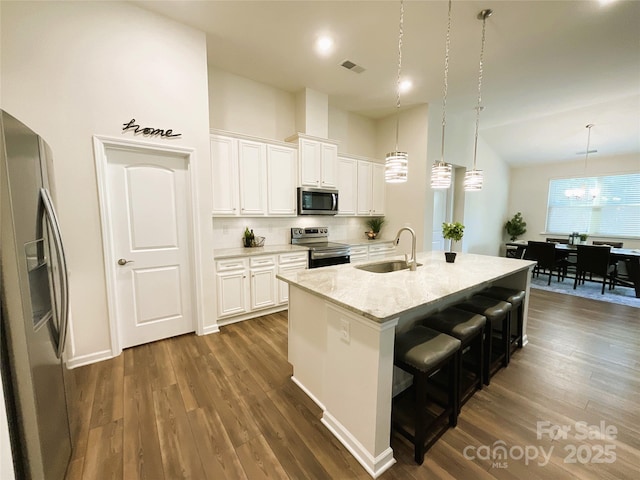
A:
(349, 65)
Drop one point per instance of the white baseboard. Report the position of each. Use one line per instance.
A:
(375, 466)
(308, 393)
(82, 360)
(210, 329)
(246, 316)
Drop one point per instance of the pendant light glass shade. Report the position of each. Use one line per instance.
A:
(441, 175)
(441, 171)
(473, 178)
(396, 167)
(396, 164)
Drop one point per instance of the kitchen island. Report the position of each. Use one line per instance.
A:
(342, 325)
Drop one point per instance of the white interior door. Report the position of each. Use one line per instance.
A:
(149, 208)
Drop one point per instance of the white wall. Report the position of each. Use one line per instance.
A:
(411, 203)
(530, 188)
(356, 134)
(482, 213)
(72, 70)
(485, 211)
(238, 104)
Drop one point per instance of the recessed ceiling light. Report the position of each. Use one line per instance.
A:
(405, 85)
(324, 45)
(605, 2)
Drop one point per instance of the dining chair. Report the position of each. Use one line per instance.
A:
(611, 244)
(544, 253)
(619, 267)
(593, 259)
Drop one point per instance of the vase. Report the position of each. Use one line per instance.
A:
(450, 257)
(371, 235)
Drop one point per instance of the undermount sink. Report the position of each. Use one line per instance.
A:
(386, 267)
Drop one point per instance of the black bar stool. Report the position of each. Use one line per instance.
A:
(423, 352)
(516, 299)
(469, 329)
(497, 314)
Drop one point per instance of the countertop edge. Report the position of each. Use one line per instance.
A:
(525, 265)
(235, 252)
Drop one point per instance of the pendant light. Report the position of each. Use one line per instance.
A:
(441, 171)
(581, 193)
(396, 164)
(586, 156)
(473, 178)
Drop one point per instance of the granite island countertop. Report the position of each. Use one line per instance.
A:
(383, 296)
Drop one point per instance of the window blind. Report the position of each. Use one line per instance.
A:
(603, 206)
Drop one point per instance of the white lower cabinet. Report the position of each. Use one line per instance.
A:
(247, 286)
(380, 251)
(263, 282)
(359, 253)
(289, 262)
(231, 283)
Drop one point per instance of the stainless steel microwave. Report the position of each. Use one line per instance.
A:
(317, 201)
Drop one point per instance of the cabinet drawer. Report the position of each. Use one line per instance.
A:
(381, 248)
(231, 264)
(262, 261)
(359, 250)
(297, 257)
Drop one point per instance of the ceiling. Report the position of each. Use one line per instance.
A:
(550, 67)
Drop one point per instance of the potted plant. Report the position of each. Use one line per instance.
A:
(454, 232)
(248, 237)
(516, 226)
(374, 224)
(583, 238)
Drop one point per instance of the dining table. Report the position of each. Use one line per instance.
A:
(630, 256)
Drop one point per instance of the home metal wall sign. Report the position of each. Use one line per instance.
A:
(148, 131)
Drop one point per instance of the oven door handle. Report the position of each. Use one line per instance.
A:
(333, 253)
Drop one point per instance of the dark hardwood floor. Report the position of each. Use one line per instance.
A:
(223, 406)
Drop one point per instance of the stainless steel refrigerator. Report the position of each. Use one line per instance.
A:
(34, 307)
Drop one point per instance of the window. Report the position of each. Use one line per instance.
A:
(605, 206)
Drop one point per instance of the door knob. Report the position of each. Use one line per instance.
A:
(122, 261)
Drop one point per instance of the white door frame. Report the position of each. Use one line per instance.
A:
(100, 146)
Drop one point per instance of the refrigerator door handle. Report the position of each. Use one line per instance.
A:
(52, 220)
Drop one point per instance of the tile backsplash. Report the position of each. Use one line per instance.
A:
(228, 232)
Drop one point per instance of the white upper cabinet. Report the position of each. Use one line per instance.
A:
(252, 164)
(347, 186)
(318, 161)
(224, 160)
(371, 188)
(252, 177)
(329, 170)
(282, 179)
(377, 189)
(365, 173)
(310, 162)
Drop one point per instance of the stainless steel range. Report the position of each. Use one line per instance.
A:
(322, 252)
